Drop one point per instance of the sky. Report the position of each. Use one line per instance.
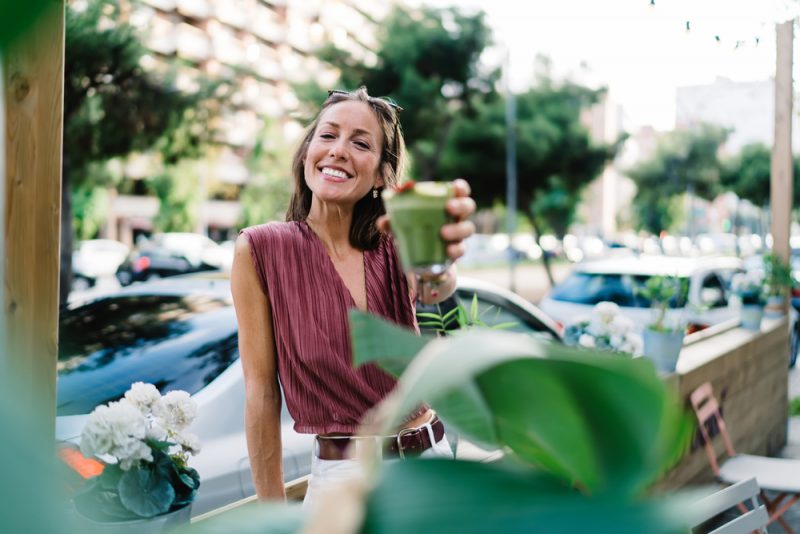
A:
(641, 52)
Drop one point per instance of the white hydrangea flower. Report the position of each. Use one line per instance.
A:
(606, 311)
(620, 325)
(586, 340)
(179, 410)
(118, 430)
(190, 442)
(145, 397)
(633, 344)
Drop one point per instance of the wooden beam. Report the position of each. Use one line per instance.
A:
(781, 169)
(33, 82)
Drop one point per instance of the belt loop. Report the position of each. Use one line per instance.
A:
(429, 427)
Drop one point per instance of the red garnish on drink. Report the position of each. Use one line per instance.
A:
(405, 186)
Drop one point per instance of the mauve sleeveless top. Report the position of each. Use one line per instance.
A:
(310, 302)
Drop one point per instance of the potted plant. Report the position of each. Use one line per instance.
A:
(606, 329)
(749, 288)
(663, 337)
(143, 442)
(778, 280)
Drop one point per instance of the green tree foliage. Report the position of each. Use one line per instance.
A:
(684, 160)
(427, 60)
(556, 157)
(113, 107)
(267, 193)
(178, 196)
(748, 174)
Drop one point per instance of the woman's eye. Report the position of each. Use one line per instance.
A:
(326, 135)
(362, 144)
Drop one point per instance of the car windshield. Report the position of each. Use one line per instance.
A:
(591, 288)
(173, 342)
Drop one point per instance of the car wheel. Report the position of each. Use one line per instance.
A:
(153, 276)
(124, 278)
(80, 283)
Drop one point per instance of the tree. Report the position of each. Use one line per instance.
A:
(556, 157)
(748, 174)
(112, 107)
(268, 192)
(684, 161)
(427, 60)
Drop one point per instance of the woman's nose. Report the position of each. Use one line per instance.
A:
(338, 150)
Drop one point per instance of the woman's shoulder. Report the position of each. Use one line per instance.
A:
(271, 231)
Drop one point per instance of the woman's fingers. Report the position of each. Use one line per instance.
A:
(456, 250)
(457, 231)
(460, 208)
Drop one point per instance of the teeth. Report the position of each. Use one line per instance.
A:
(334, 172)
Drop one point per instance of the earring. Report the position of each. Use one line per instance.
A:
(374, 192)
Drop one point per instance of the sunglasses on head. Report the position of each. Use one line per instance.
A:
(383, 99)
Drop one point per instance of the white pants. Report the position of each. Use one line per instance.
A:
(327, 473)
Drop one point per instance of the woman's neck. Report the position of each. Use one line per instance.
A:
(332, 226)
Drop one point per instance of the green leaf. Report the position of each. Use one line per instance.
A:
(145, 493)
(473, 309)
(472, 497)
(504, 326)
(379, 341)
(428, 315)
(255, 518)
(605, 423)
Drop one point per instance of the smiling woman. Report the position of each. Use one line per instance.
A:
(294, 283)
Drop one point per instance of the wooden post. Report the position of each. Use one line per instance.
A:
(781, 169)
(33, 92)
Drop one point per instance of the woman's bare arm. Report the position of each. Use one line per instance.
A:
(263, 397)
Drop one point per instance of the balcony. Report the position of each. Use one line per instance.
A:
(198, 9)
(192, 43)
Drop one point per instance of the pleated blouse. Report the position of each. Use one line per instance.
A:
(310, 303)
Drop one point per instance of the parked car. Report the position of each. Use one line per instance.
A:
(172, 254)
(95, 258)
(181, 333)
(617, 279)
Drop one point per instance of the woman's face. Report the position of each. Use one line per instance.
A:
(343, 158)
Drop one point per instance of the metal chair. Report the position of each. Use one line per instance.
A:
(754, 519)
(779, 475)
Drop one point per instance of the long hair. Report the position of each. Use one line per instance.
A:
(364, 235)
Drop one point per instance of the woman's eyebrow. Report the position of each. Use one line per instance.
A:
(357, 131)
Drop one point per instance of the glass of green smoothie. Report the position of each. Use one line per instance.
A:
(417, 214)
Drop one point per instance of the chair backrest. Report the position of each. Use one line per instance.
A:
(706, 408)
(727, 498)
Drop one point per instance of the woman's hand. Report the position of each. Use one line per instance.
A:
(460, 207)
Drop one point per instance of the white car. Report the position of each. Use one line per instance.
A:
(617, 279)
(96, 258)
(181, 333)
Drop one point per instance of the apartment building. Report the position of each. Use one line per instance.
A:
(261, 48)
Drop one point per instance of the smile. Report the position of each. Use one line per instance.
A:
(335, 174)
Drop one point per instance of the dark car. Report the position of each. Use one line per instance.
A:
(181, 333)
(154, 262)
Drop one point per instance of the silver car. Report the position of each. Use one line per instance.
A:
(181, 333)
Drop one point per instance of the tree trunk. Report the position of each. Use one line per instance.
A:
(65, 273)
(545, 259)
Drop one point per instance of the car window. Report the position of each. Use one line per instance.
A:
(591, 288)
(173, 342)
(621, 289)
(712, 291)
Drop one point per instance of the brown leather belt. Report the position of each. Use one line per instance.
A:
(407, 442)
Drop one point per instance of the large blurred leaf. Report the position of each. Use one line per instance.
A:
(379, 341)
(252, 518)
(605, 423)
(18, 17)
(465, 497)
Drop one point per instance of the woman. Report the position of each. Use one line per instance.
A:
(294, 282)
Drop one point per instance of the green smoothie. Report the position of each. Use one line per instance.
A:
(417, 215)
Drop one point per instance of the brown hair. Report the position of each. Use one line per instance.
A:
(364, 234)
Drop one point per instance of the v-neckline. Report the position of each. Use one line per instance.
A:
(332, 268)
